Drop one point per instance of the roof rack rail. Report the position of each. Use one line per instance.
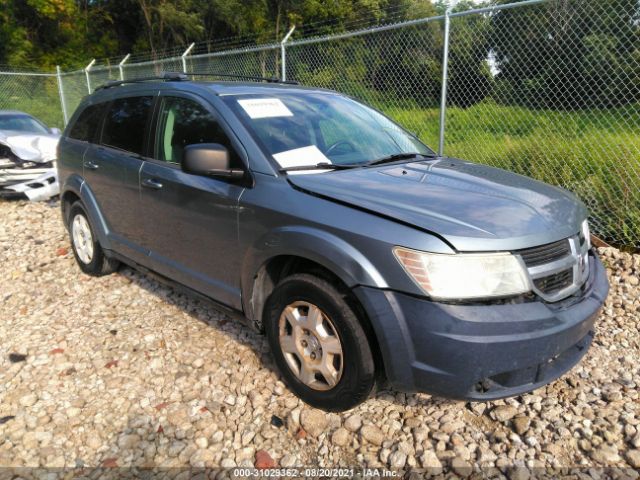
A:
(164, 76)
(180, 76)
(242, 77)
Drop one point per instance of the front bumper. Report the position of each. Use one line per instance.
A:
(482, 352)
(33, 184)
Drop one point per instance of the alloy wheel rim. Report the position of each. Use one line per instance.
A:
(311, 346)
(82, 238)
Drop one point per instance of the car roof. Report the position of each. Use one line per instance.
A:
(242, 88)
(217, 88)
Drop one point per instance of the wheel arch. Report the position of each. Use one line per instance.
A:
(315, 252)
(300, 246)
(74, 189)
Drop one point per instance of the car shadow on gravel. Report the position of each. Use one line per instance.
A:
(243, 332)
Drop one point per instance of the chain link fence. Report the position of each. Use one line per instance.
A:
(35, 93)
(546, 88)
(558, 100)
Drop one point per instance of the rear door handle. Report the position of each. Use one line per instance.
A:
(90, 165)
(151, 183)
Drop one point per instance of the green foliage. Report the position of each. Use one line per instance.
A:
(43, 33)
(569, 54)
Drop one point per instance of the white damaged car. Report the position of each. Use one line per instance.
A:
(27, 157)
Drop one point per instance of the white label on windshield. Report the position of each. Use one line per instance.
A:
(300, 157)
(265, 107)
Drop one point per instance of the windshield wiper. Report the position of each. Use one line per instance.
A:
(317, 166)
(395, 157)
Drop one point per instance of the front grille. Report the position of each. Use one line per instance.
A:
(545, 253)
(555, 282)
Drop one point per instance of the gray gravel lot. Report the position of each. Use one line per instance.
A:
(122, 371)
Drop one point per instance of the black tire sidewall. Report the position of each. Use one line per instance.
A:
(358, 376)
(95, 266)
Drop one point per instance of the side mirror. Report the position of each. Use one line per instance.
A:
(55, 130)
(209, 159)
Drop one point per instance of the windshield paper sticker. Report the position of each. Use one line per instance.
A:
(300, 157)
(265, 107)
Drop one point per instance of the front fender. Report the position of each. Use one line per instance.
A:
(322, 247)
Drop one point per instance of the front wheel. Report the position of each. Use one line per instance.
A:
(318, 343)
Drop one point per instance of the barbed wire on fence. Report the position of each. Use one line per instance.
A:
(546, 88)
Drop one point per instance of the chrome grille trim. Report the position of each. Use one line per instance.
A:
(563, 270)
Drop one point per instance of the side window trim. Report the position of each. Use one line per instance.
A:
(154, 131)
(98, 133)
(104, 118)
(151, 128)
(159, 129)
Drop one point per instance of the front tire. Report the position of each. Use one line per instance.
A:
(86, 248)
(318, 343)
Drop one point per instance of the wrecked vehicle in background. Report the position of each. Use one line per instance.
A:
(27, 157)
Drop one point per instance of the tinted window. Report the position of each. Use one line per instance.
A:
(125, 123)
(183, 122)
(87, 123)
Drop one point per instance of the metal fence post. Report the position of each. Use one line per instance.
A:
(445, 79)
(283, 54)
(184, 57)
(61, 94)
(86, 73)
(121, 65)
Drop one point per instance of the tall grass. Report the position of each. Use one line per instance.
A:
(594, 153)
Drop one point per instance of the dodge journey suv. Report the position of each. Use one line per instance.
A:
(361, 254)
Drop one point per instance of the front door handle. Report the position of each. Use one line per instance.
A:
(90, 165)
(151, 183)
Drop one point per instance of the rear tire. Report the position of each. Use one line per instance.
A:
(86, 248)
(318, 343)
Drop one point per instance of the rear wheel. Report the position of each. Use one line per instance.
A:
(85, 246)
(319, 344)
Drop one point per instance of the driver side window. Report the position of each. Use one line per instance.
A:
(183, 122)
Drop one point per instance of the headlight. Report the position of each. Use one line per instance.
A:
(464, 276)
(586, 233)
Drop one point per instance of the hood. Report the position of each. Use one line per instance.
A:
(473, 207)
(31, 147)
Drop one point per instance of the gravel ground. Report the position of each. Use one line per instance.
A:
(122, 371)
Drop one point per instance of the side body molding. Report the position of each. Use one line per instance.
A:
(322, 247)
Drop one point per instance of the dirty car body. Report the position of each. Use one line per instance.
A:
(470, 282)
(27, 157)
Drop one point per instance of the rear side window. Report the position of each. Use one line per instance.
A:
(86, 125)
(125, 124)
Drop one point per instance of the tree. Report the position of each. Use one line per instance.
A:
(568, 54)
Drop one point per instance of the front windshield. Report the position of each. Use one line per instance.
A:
(299, 129)
(21, 123)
